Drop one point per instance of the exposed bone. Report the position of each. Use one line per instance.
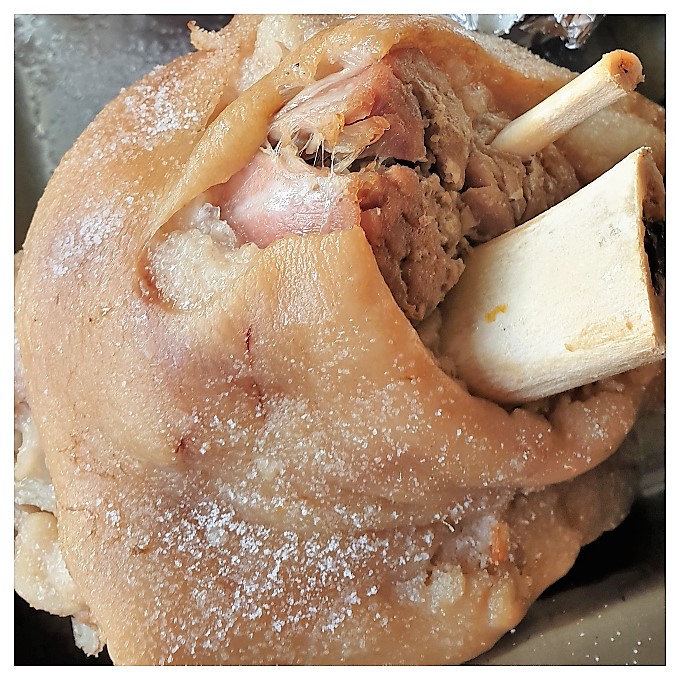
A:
(567, 298)
(616, 74)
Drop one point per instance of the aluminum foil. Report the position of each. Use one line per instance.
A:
(498, 24)
(573, 29)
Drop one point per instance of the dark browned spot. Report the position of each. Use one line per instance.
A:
(655, 248)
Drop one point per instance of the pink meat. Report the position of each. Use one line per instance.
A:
(364, 112)
(392, 149)
(278, 194)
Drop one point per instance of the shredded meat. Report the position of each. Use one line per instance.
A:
(549, 179)
(502, 191)
(343, 115)
(448, 128)
(414, 227)
(494, 193)
(393, 149)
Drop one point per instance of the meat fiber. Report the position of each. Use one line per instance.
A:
(391, 147)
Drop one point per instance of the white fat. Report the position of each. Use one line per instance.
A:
(87, 637)
(40, 573)
(32, 482)
(43, 580)
(198, 258)
(205, 218)
(35, 493)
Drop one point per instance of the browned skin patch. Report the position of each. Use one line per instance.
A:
(500, 543)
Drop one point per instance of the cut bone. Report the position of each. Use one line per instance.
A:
(616, 74)
(567, 298)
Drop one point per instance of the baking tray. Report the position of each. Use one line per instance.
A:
(610, 608)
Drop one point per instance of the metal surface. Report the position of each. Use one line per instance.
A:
(610, 609)
(66, 69)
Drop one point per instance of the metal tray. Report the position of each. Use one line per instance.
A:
(610, 609)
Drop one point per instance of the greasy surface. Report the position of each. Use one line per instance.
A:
(168, 456)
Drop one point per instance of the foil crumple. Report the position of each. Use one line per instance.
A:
(573, 29)
(497, 24)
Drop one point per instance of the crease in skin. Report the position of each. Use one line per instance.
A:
(539, 455)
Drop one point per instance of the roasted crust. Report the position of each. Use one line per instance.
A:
(294, 407)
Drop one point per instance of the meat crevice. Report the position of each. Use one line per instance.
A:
(394, 149)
